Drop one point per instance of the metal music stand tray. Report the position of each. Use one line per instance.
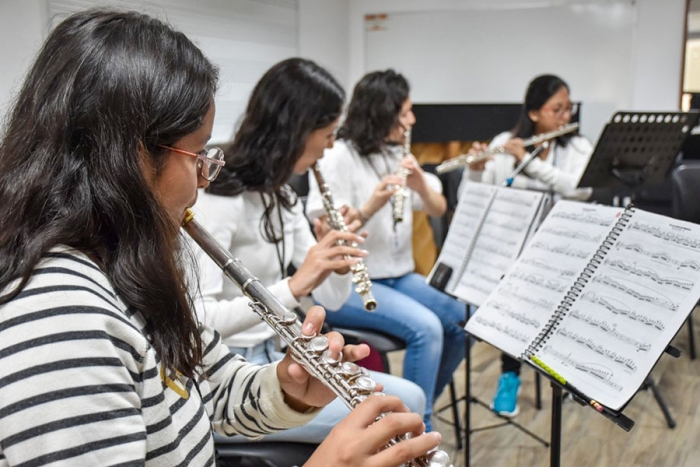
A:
(637, 149)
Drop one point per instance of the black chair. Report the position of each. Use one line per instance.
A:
(261, 454)
(685, 182)
(384, 343)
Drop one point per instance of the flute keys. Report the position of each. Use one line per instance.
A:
(365, 384)
(318, 344)
(350, 369)
(326, 358)
(438, 459)
(289, 318)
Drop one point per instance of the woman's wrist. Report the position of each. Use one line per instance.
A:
(363, 215)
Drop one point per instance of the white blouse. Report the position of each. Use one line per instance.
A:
(352, 180)
(236, 222)
(560, 172)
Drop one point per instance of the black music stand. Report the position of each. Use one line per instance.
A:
(637, 149)
(616, 417)
(470, 399)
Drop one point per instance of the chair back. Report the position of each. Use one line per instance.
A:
(685, 181)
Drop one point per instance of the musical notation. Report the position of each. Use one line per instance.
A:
(481, 288)
(539, 280)
(518, 316)
(628, 268)
(610, 329)
(539, 263)
(510, 213)
(512, 226)
(565, 250)
(505, 241)
(677, 238)
(626, 362)
(514, 333)
(512, 292)
(514, 199)
(585, 218)
(660, 256)
(574, 234)
(472, 213)
(503, 252)
(485, 277)
(660, 300)
(619, 308)
(603, 375)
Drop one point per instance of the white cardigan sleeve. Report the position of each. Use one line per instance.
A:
(231, 316)
(564, 180)
(335, 289)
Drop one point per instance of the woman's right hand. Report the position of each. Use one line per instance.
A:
(325, 257)
(476, 148)
(381, 194)
(358, 440)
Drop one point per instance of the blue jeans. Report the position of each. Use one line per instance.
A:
(317, 429)
(427, 320)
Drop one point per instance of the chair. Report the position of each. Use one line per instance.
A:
(685, 183)
(384, 343)
(259, 454)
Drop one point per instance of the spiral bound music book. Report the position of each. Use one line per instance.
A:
(487, 233)
(597, 295)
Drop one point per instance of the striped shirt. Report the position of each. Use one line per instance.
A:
(80, 383)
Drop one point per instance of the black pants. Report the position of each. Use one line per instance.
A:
(508, 363)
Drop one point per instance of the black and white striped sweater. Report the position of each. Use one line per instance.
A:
(81, 385)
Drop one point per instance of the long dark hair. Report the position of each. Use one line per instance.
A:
(374, 110)
(538, 93)
(106, 89)
(294, 98)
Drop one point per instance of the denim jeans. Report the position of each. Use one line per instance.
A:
(317, 429)
(427, 320)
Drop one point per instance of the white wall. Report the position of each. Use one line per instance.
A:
(332, 33)
(323, 35)
(22, 30)
(657, 48)
(658, 55)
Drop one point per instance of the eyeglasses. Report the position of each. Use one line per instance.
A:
(560, 110)
(209, 160)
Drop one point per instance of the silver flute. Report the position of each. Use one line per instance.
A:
(397, 200)
(350, 382)
(466, 159)
(360, 274)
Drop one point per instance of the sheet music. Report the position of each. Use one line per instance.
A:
(525, 300)
(636, 301)
(471, 209)
(499, 242)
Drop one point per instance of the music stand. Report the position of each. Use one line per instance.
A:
(637, 149)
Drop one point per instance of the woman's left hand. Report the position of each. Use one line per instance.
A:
(350, 217)
(415, 179)
(301, 391)
(516, 148)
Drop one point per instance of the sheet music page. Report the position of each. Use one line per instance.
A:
(498, 243)
(472, 207)
(525, 300)
(636, 301)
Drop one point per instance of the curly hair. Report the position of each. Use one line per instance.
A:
(374, 110)
(294, 98)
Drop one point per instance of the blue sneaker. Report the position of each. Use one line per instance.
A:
(505, 402)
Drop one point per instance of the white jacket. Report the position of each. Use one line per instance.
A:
(559, 173)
